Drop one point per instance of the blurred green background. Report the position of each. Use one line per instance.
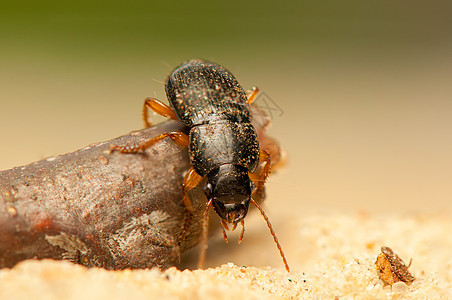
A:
(364, 87)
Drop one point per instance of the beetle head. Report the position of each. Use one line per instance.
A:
(230, 188)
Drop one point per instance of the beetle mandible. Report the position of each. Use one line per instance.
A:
(223, 145)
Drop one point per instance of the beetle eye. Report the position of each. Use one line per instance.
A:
(208, 189)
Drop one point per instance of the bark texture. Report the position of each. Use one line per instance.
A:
(104, 209)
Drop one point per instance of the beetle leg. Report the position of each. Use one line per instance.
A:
(191, 180)
(259, 179)
(204, 235)
(251, 95)
(178, 138)
(188, 218)
(158, 107)
(277, 154)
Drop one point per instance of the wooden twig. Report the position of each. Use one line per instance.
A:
(100, 208)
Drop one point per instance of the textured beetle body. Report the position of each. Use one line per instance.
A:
(207, 98)
(222, 144)
(200, 92)
(215, 144)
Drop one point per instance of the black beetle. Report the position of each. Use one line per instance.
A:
(223, 145)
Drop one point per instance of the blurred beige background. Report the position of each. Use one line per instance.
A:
(363, 90)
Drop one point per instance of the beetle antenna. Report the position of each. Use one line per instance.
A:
(272, 233)
(205, 228)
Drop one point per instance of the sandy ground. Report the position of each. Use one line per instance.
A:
(332, 255)
(359, 97)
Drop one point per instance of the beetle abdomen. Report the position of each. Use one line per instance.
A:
(224, 142)
(200, 91)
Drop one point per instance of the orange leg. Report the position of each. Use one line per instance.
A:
(204, 235)
(259, 179)
(191, 180)
(252, 95)
(178, 137)
(158, 107)
(188, 218)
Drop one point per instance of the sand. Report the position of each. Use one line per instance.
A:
(332, 255)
